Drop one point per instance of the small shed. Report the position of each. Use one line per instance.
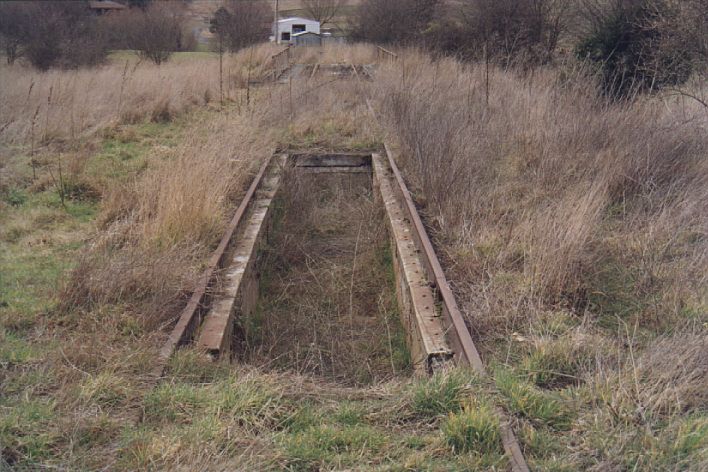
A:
(288, 27)
(307, 38)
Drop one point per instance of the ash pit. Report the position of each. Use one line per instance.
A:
(326, 284)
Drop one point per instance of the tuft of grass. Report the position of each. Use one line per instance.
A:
(556, 362)
(442, 393)
(349, 414)
(15, 197)
(173, 403)
(304, 417)
(107, 389)
(474, 428)
(329, 446)
(527, 400)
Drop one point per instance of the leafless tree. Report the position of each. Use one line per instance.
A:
(393, 21)
(14, 24)
(51, 33)
(513, 30)
(155, 32)
(644, 45)
(241, 23)
(323, 11)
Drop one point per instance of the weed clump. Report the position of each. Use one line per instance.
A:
(442, 393)
(474, 428)
(525, 399)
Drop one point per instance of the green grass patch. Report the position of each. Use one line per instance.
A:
(474, 428)
(525, 399)
(349, 414)
(177, 403)
(26, 432)
(15, 197)
(332, 446)
(14, 349)
(442, 393)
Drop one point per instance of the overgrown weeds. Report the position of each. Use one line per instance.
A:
(573, 232)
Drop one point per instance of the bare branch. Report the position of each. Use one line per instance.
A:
(323, 11)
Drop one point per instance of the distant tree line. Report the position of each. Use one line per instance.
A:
(69, 34)
(634, 44)
(51, 34)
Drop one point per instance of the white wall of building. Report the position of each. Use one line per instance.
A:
(289, 26)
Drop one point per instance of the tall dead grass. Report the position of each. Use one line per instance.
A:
(60, 105)
(546, 180)
(574, 232)
(157, 230)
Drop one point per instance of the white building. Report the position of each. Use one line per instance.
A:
(287, 27)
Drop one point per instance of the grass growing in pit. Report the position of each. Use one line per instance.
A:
(327, 301)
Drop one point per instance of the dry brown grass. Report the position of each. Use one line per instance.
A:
(574, 232)
(544, 180)
(61, 105)
(159, 228)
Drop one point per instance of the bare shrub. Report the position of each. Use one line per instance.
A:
(242, 23)
(51, 34)
(14, 25)
(156, 31)
(638, 44)
(323, 11)
(393, 21)
(506, 30)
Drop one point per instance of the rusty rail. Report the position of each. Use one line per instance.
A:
(458, 333)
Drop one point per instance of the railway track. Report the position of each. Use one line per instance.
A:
(228, 290)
